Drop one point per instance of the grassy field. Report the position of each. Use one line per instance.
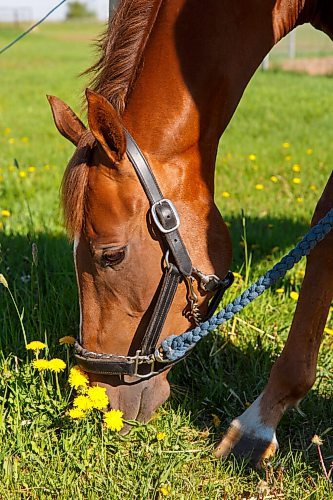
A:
(281, 132)
(309, 43)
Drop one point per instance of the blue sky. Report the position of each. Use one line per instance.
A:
(39, 8)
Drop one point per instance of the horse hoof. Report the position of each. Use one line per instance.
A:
(244, 445)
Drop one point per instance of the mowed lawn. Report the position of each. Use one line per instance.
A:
(273, 163)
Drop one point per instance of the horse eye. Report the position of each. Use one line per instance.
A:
(112, 258)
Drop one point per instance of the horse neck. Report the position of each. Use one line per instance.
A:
(196, 65)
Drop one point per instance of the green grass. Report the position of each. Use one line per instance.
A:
(43, 454)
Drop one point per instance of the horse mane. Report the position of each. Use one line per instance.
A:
(114, 74)
(121, 48)
(74, 185)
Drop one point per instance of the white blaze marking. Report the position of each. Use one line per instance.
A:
(76, 244)
(250, 423)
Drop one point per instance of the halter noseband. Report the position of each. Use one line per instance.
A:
(148, 360)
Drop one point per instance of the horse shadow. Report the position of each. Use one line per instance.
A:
(221, 377)
(266, 237)
(44, 284)
(40, 273)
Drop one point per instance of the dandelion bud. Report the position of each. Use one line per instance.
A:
(3, 281)
(34, 251)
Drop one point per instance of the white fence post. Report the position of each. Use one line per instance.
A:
(292, 45)
(265, 63)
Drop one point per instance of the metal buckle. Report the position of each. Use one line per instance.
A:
(158, 357)
(155, 216)
(139, 360)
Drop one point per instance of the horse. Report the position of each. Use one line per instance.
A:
(150, 246)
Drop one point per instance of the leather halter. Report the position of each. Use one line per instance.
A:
(148, 360)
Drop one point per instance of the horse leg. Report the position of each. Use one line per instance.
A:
(252, 434)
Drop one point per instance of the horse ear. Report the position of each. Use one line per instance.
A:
(106, 126)
(68, 124)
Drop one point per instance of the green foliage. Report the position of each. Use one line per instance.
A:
(79, 10)
(45, 455)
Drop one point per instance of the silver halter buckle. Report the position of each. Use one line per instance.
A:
(174, 213)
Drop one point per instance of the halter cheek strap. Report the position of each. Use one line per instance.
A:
(163, 211)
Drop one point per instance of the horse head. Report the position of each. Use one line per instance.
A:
(121, 256)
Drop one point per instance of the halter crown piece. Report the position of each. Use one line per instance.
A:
(148, 360)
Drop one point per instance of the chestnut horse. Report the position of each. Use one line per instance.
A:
(171, 72)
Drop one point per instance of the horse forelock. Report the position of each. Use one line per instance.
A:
(121, 48)
(74, 185)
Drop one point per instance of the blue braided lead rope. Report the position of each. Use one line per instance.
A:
(176, 347)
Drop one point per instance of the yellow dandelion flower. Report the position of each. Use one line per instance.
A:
(165, 490)
(98, 397)
(299, 199)
(12, 168)
(279, 290)
(5, 213)
(7, 131)
(309, 151)
(252, 157)
(296, 167)
(317, 440)
(297, 180)
(274, 179)
(83, 403)
(313, 187)
(114, 419)
(31, 169)
(294, 295)
(35, 345)
(288, 157)
(11, 140)
(67, 340)
(328, 330)
(260, 187)
(216, 420)
(40, 364)
(225, 194)
(25, 139)
(160, 436)
(285, 145)
(57, 365)
(46, 167)
(22, 174)
(3, 281)
(76, 413)
(77, 378)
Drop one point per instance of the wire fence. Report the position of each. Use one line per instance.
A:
(16, 16)
(302, 43)
(26, 32)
